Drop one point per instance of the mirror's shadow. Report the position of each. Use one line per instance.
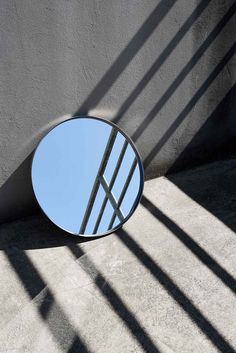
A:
(36, 232)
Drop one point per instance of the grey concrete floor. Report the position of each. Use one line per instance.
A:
(163, 283)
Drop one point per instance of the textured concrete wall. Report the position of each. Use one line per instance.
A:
(157, 68)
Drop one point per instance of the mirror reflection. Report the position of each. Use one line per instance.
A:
(87, 176)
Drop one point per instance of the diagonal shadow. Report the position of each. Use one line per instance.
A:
(161, 59)
(184, 72)
(115, 301)
(214, 188)
(17, 191)
(31, 278)
(8, 191)
(59, 326)
(176, 293)
(127, 54)
(196, 249)
(220, 122)
(203, 88)
(25, 198)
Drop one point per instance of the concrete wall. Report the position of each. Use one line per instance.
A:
(159, 69)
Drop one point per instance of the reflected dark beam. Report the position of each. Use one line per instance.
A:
(114, 300)
(176, 293)
(101, 170)
(123, 192)
(161, 59)
(184, 72)
(59, 325)
(113, 179)
(190, 105)
(196, 249)
(126, 55)
(112, 199)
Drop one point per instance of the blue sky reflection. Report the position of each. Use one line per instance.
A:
(64, 169)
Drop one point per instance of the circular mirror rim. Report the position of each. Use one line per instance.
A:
(139, 163)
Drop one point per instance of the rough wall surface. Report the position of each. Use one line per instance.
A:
(159, 69)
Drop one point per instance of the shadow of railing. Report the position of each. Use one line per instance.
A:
(220, 122)
(45, 235)
(187, 109)
(182, 75)
(114, 300)
(17, 199)
(24, 268)
(176, 293)
(59, 326)
(18, 259)
(192, 245)
(126, 56)
(34, 284)
(213, 189)
(17, 192)
(160, 61)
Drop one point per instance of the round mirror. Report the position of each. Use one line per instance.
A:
(87, 176)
